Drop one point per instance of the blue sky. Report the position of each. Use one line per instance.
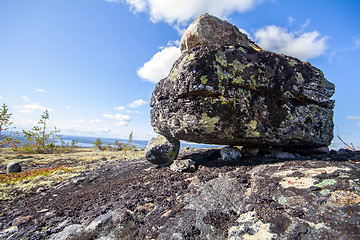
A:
(94, 63)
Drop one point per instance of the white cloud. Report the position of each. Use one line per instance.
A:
(113, 1)
(29, 108)
(40, 90)
(121, 123)
(96, 121)
(137, 103)
(178, 13)
(129, 111)
(301, 45)
(159, 66)
(26, 99)
(122, 119)
(81, 120)
(291, 19)
(353, 117)
(119, 108)
(137, 5)
(0, 97)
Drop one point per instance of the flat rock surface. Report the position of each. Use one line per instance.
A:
(313, 197)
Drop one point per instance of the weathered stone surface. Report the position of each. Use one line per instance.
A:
(13, 167)
(243, 96)
(230, 154)
(183, 165)
(310, 197)
(210, 30)
(162, 150)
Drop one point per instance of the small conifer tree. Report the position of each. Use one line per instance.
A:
(5, 134)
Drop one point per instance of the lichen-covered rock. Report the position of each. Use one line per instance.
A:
(162, 150)
(230, 154)
(13, 167)
(183, 165)
(242, 96)
(210, 30)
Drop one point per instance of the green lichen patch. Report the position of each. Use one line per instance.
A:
(292, 62)
(203, 80)
(190, 57)
(208, 123)
(282, 200)
(326, 182)
(325, 192)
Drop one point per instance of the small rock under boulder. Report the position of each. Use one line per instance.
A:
(230, 154)
(162, 150)
(183, 165)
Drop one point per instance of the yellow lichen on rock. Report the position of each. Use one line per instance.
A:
(208, 123)
(340, 198)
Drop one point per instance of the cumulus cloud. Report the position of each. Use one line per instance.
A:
(29, 108)
(137, 103)
(178, 13)
(40, 90)
(301, 45)
(119, 108)
(96, 121)
(159, 66)
(122, 120)
(26, 99)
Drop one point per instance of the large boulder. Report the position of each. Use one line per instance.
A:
(241, 95)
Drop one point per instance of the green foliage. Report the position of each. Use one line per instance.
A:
(99, 144)
(5, 123)
(119, 146)
(41, 141)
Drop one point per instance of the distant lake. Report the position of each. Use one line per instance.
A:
(87, 142)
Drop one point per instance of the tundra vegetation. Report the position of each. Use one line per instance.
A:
(119, 146)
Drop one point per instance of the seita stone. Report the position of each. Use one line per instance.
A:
(244, 96)
(162, 150)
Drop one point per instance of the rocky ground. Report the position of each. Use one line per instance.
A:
(119, 195)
